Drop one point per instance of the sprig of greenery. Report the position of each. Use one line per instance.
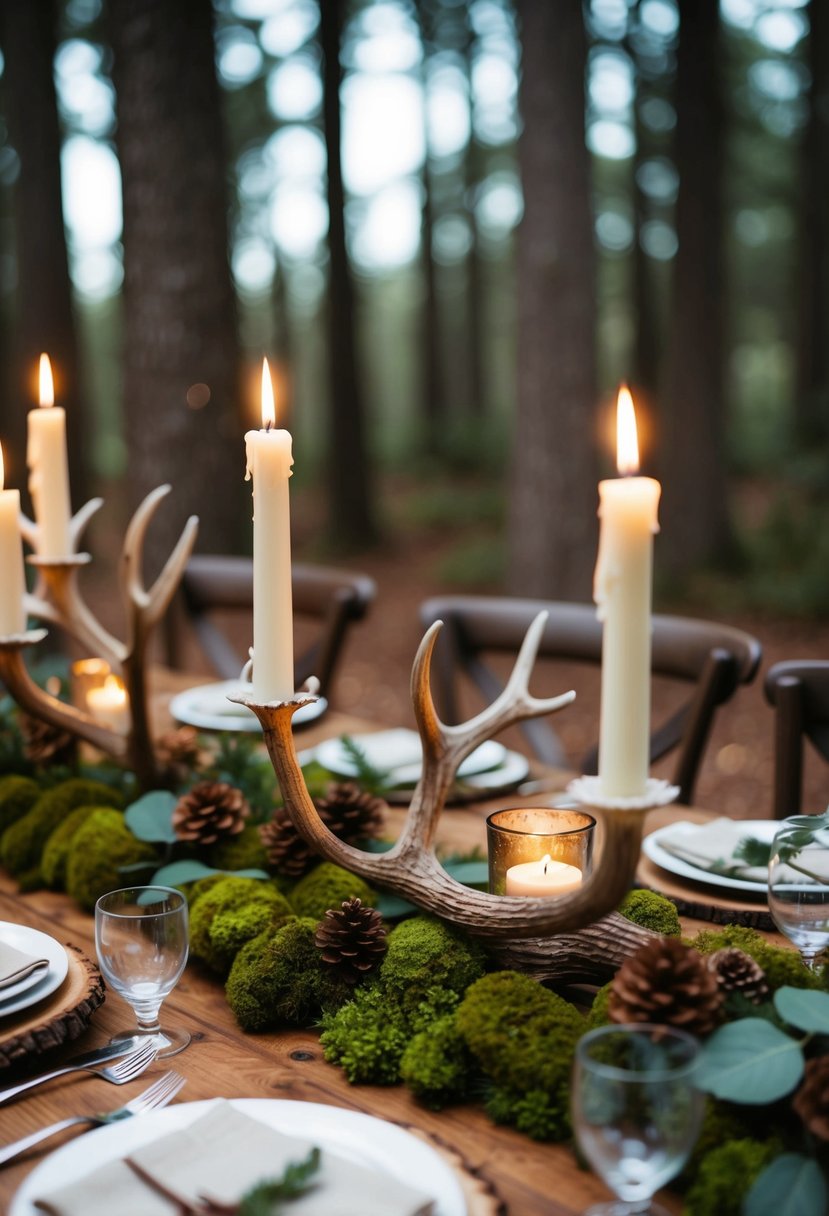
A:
(373, 780)
(238, 761)
(266, 1198)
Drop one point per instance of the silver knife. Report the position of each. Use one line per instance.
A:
(110, 1051)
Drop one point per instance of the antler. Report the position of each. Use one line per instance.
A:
(58, 600)
(412, 870)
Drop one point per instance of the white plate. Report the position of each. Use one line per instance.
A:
(398, 752)
(760, 829)
(361, 1138)
(207, 707)
(32, 941)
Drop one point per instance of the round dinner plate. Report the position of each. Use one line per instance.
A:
(761, 829)
(398, 752)
(208, 708)
(360, 1138)
(43, 983)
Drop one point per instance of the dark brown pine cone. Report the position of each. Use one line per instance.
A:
(210, 811)
(288, 853)
(351, 813)
(352, 939)
(811, 1102)
(46, 744)
(177, 752)
(667, 983)
(737, 971)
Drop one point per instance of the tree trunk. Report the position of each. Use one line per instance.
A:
(552, 526)
(432, 413)
(351, 522)
(812, 389)
(695, 512)
(44, 320)
(179, 307)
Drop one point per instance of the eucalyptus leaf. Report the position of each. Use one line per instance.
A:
(151, 817)
(749, 1061)
(804, 1008)
(470, 873)
(392, 907)
(792, 1185)
(177, 873)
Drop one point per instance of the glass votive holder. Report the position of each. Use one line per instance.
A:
(538, 851)
(86, 674)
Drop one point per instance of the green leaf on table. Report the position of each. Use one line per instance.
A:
(806, 1009)
(178, 873)
(792, 1185)
(750, 1061)
(753, 852)
(266, 1198)
(470, 873)
(392, 907)
(151, 817)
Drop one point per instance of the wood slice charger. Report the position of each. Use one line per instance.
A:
(58, 1018)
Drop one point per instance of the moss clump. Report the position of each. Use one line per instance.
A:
(437, 1066)
(651, 911)
(226, 899)
(17, 796)
(725, 1177)
(56, 850)
(367, 1038)
(279, 979)
(781, 966)
(723, 1122)
(23, 842)
(523, 1037)
(598, 1014)
(427, 968)
(242, 852)
(326, 887)
(99, 849)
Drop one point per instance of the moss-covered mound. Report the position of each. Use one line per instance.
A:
(17, 796)
(651, 911)
(437, 1066)
(230, 913)
(102, 845)
(56, 850)
(781, 966)
(326, 887)
(242, 852)
(23, 843)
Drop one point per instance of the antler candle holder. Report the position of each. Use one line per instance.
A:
(552, 938)
(57, 599)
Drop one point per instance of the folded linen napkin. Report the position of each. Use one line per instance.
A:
(15, 965)
(712, 847)
(220, 1156)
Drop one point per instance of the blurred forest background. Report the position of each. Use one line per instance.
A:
(454, 228)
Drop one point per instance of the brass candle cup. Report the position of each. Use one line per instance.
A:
(520, 834)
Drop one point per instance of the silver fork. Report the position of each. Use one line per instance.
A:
(126, 1069)
(157, 1095)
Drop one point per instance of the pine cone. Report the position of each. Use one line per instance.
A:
(667, 983)
(287, 852)
(737, 972)
(210, 811)
(46, 744)
(811, 1102)
(177, 752)
(349, 812)
(352, 939)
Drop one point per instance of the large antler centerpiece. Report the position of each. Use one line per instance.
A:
(57, 600)
(554, 938)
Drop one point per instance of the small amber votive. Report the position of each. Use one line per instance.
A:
(538, 840)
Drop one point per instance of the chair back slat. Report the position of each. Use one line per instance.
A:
(799, 692)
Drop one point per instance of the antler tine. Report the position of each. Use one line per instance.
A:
(429, 724)
(78, 522)
(132, 581)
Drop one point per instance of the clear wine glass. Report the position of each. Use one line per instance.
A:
(799, 883)
(141, 936)
(636, 1112)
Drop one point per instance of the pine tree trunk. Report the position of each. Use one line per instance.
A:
(179, 306)
(44, 319)
(552, 525)
(695, 510)
(351, 522)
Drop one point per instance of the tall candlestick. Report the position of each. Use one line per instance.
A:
(12, 583)
(269, 463)
(622, 591)
(49, 470)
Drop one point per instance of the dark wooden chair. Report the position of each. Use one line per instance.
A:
(217, 587)
(712, 659)
(799, 692)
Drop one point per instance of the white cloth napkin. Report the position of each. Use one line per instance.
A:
(15, 965)
(222, 1155)
(710, 846)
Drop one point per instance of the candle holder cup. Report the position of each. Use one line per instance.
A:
(517, 835)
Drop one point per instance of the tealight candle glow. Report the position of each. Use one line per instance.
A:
(545, 877)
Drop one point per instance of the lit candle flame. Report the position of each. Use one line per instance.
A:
(47, 384)
(268, 407)
(115, 690)
(627, 443)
